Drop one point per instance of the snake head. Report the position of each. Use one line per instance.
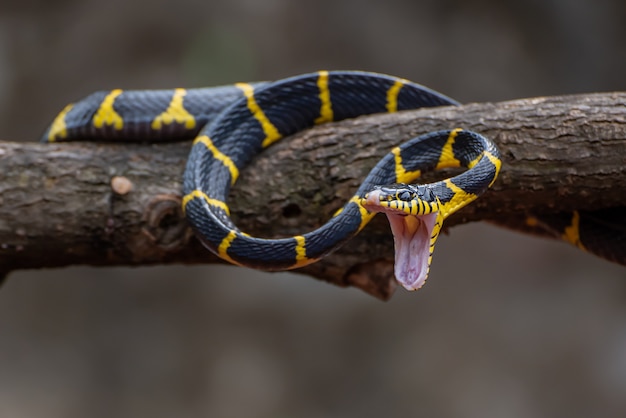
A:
(415, 220)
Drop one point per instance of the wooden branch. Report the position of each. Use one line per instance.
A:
(119, 204)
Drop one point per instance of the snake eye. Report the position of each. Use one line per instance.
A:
(404, 195)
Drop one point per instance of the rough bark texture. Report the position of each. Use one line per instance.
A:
(64, 204)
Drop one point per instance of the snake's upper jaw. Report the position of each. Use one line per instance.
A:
(414, 238)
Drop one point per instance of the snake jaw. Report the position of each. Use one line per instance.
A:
(414, 238)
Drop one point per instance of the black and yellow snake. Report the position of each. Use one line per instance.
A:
(232, 124)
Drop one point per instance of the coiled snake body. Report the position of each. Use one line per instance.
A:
(232, 124)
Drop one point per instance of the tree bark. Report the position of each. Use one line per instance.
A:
(119, 204)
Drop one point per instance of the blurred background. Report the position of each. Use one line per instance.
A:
(507, 325)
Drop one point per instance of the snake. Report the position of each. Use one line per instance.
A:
(230, 125)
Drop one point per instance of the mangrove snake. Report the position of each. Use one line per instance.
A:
(232, 124)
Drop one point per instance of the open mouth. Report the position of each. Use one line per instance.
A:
(413, 240)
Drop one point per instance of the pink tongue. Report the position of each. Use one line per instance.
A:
(411, 235)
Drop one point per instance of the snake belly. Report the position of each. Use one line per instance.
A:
(232, 124)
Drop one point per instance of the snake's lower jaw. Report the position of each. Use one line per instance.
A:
(414, 238)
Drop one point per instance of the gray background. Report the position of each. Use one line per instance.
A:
(507, 325)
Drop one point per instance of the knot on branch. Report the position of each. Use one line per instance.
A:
(165, 224)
